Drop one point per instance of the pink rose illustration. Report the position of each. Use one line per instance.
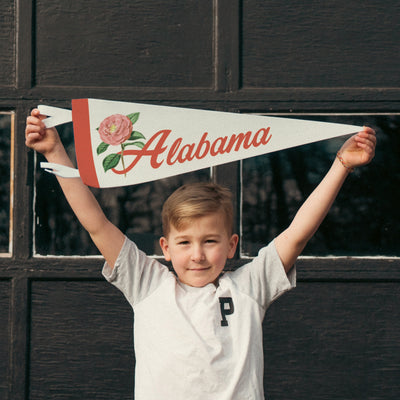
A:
(115, 129)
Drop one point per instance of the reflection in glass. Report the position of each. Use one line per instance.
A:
(136, 210)
(363, 221)
(6, 126)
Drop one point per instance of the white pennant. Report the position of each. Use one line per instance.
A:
(122, 143)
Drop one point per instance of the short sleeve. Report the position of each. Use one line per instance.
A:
(264, 278)
(135, 274)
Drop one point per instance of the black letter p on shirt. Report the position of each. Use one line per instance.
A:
(227, 308)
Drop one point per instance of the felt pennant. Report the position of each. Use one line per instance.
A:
(122, 143)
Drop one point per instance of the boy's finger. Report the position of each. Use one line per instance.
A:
(369, 140)
(368, 130)
(35, 121)
(36, 113)
(32, 128)
(367, 135)
(32, 136)
(32, 120)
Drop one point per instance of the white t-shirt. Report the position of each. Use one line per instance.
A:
(199, 343)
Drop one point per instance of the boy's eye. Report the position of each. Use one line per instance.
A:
(183, 242)
(211, 241)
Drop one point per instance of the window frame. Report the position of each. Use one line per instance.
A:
(232, 175)
(305, 258)
(11, 178)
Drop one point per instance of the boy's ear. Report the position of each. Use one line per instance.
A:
(233, 241)
(165, 248)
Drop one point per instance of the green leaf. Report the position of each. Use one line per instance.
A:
(111, 161)
(138, 144)
(102, 147)
(133, 117)
(135, 135)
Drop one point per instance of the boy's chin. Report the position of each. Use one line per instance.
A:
(199, 283)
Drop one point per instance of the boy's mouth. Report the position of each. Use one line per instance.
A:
(199, 269)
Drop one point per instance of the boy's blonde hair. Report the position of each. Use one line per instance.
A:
(197, 200)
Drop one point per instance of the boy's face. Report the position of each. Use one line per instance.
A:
(199, 251)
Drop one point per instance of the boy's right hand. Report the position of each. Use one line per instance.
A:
(38, 137)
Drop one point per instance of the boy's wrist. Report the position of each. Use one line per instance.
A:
(58, 155)
(349, 168)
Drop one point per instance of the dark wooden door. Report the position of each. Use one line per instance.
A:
(67, 334)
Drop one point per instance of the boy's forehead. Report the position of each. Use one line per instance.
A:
(214, 221)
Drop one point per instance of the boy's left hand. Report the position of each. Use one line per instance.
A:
(359, 149)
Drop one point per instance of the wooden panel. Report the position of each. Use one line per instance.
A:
(340, 340)
(136, 43)
(320, 44)
(7, 39)
(4, 336)
(334, 341)
(81, 341)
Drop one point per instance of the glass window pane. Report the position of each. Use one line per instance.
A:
(136, 210)
(364, 220)
(6, 171)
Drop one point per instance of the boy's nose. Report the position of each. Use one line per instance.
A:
(197, 254)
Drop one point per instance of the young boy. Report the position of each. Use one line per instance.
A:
(199, 335)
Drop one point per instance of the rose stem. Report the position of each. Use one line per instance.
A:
(122, 158)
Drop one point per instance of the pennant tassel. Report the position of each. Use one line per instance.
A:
(55, 116)
(60, 170)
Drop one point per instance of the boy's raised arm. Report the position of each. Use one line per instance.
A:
(106, 236)
(356, 151)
